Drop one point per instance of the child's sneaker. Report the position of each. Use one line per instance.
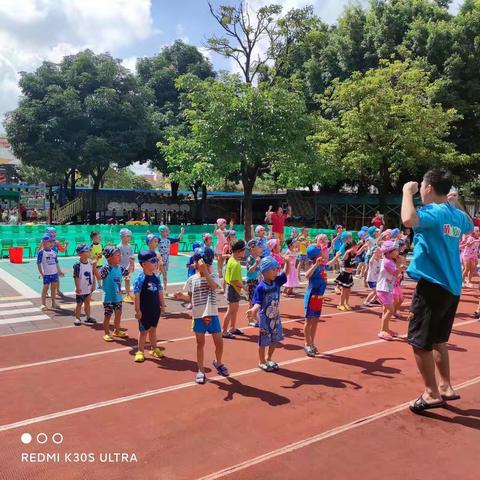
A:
(43, 307)
(253, 324)
(221, 368)
(157, 353)
(309, 351)
(228, 335)
(55, 306)
(200, 378)
(128, 299)
(273, 364)
(120, 334)
(265, 367)
(90, 321)
(236, 331)
(139, 357)
(108, 338)
(77, 322)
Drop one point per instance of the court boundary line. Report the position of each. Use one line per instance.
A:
(121, 349)
(360, 422)
(19, 286)
(171, 388)
(361, 307)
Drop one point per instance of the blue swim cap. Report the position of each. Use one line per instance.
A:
(125, 232)
(364, 229)
(109, 251)
(50, 230)
(47, 238)
(82, 249)
(268, 263)
(372, 230)
(313, 252)
(204, 253)
(149, 238)
(395, 232)
(162, 228)
(145, 256)
(345, 235)
(196, 245)
(362, 234)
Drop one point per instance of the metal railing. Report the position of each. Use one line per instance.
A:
(66, 212)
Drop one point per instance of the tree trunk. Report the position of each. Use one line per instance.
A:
(73, 182)
(194, 189)
(174, 188)
(96, 187)
(203, 202)
(247, 207)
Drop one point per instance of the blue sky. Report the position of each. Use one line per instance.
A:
(32, 31)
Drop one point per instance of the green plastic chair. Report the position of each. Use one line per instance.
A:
(5, 245)
(24, 243)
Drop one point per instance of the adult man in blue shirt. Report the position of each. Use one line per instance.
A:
(438, 227)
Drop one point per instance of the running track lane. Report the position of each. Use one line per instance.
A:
(310, 396)
(94, 382)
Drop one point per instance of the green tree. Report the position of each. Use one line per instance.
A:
(192, 165)
(159, 74)
(376, 126)
(250, 131)
(124, 178)
(85, 113)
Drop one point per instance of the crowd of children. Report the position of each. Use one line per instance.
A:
(378, 258)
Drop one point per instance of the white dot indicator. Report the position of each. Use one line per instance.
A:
(26, 438)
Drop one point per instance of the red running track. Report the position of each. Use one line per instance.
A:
(341, 415)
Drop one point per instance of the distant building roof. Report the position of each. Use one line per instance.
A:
(6, 155)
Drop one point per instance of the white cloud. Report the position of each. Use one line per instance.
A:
(130, 63)
(32, 31)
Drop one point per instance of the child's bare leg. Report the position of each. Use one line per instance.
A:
(307, 332)
(218, 341)
(200, 351)
(87, 306)
(220, 266)
(54, 287)
(313, 333)
(44, 294)
(152, 336)
(127, 287)
(142, 336)
(233, 314)
(347, 295)
(343, 295)
(106, 325)
(387, 314)
(271, 349)
(226, 319)
(116, 320)
(261, 354)
(165, 282)
(78, 310)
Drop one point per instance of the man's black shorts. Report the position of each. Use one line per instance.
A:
(431, 315)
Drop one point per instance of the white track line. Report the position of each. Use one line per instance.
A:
(171, 388)
(360, 422)
(19, 310)
(31, 318)
(17, 285)
(14, 304)
(121, 349)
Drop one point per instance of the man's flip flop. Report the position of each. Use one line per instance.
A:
(451, 398)
(421, 405)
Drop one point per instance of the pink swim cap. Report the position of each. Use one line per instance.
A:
(221, 221)
(259, 228)
(272, 243)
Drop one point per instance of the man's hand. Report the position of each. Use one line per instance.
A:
(138, 314)
(78, 291)
(410, 188)
(61, 274)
